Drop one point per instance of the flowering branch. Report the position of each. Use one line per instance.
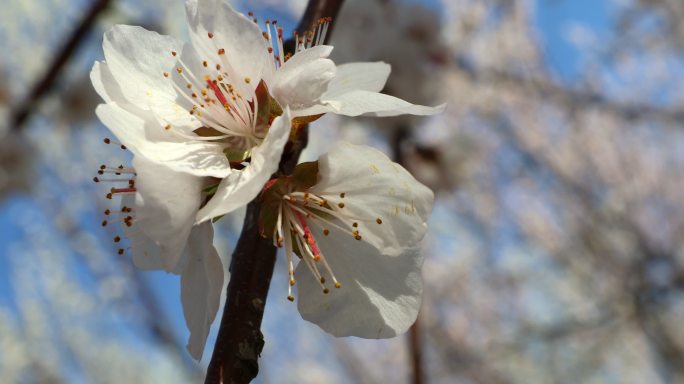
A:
(240, 341)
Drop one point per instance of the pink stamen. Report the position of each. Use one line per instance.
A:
(122, 190)
(217, 92)
(309, 236)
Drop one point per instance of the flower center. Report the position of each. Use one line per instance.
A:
(297, 214)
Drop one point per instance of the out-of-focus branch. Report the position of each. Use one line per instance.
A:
(240, 341)
(316, 10)
(40, 89)
(573, 98)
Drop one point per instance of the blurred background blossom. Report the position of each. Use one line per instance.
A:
(555, 252)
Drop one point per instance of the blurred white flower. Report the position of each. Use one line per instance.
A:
(355, 219)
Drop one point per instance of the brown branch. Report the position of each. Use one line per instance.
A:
(25, 109)
(415, 341)
(240, 341)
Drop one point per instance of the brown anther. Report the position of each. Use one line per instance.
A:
(326, 291)
(355, 225)
(218, 67)
(326, 232)
(95, 179)
(337, 284)
(293, 282)
(341, 205)
(378, 220)
(179, 70)
(100, 172)
(210, 34)
(120, 251)
(265, 35)
(167, 126)
(108, 196)
(107, 212)
(290, 297)
(204, 63)
(194, 95)
(128, 223)
(248, 80)
(173, 53)
(188, 85)
(107, 140)
(357, 237)
(322, 280)
(166, 74)
(117, 239)
(270, 50)
(221, 51)
(103, 166)
(104, 223)
(123, 146)
(342, 195)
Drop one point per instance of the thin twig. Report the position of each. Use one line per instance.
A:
(25, 109)
(240, 341)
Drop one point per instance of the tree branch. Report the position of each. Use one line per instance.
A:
(240, 341)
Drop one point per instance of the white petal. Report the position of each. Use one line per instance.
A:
(380, 295)
(141, 132)
(104, 83)
(240, 187)
(376, 188)
(137, 59)
(246, 50)
(165, 207)
(201, 285)
(357, 103)
(359, 76)
(146, 253)
(303, 79)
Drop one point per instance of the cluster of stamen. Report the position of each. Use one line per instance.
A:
(224, 101)
(123, 179)
(297, 212)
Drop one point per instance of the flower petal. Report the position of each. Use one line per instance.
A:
(201, 285)
(245, 49)
(105, 84)
(390, 205)
(380, 295)
(146, 253)
(166, 204)
(240, 187)
(355, 103)
(359, 76)
(141, 134)
(137, 58)
(303, 79)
